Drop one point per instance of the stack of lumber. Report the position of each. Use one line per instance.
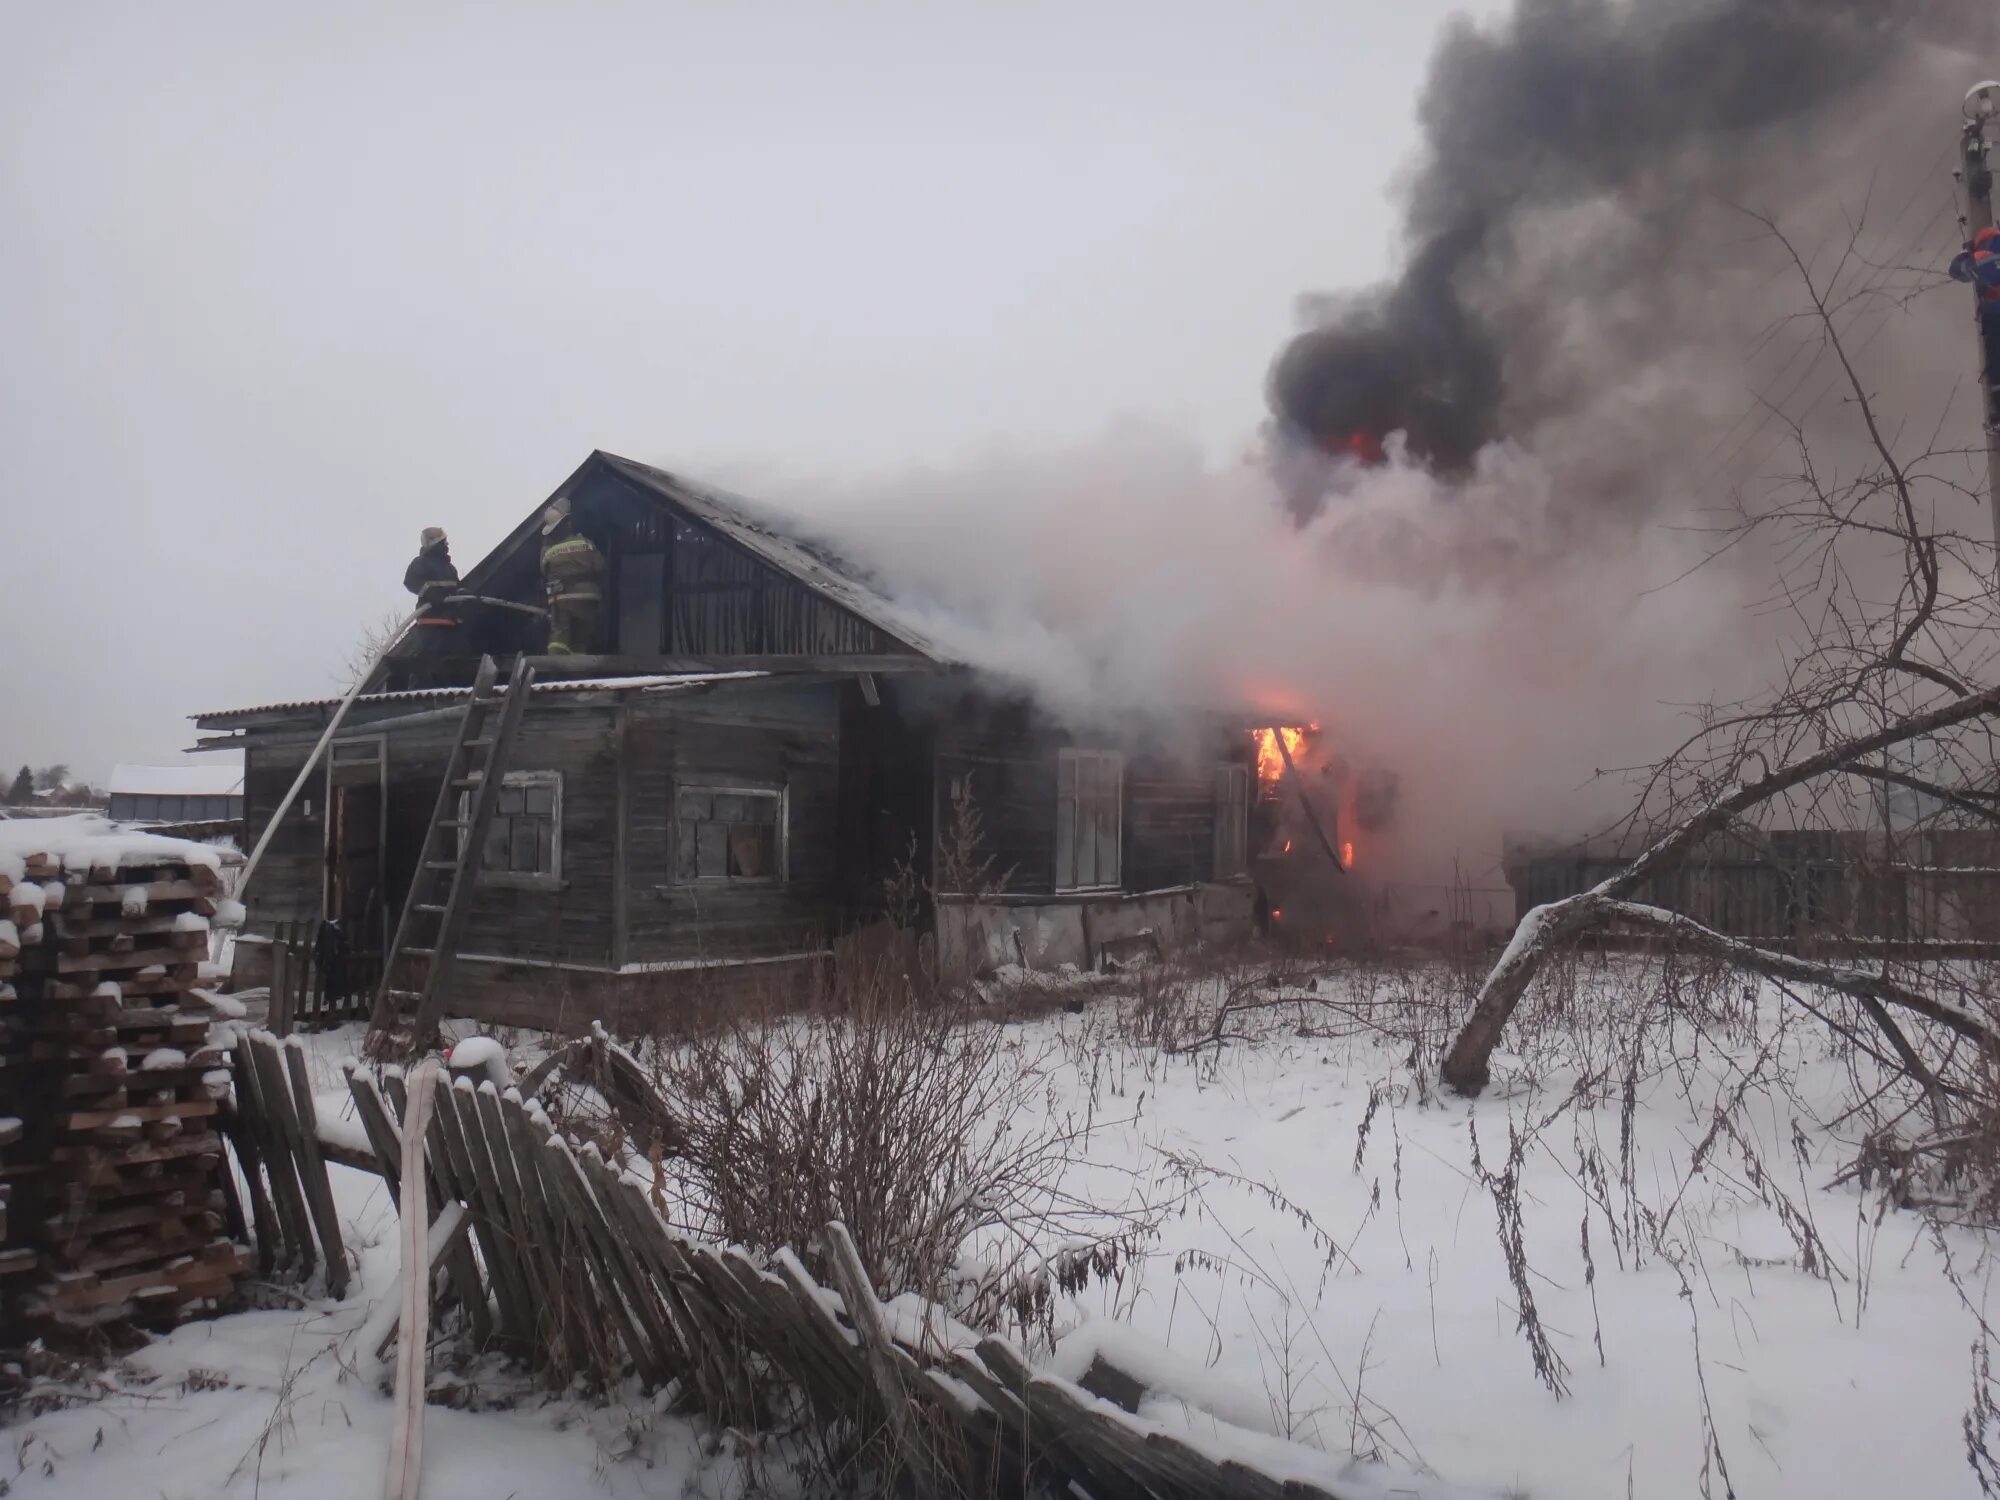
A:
(110, 1070)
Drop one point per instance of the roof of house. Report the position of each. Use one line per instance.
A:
(780, 541)
(199, 779)
(653, 682)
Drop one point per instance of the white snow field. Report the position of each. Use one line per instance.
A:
(1330, 1265)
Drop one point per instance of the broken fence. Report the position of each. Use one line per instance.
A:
(540, 1249)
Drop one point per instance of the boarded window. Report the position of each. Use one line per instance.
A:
(1090, 797)
(525, 836)
(730, 834)
(1232, 821)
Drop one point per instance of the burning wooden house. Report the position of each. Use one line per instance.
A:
(761, 753)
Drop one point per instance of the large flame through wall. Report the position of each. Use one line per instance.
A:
(1271, 759)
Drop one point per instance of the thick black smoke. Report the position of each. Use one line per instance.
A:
(1654, 111)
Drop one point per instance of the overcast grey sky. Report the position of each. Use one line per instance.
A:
(282, 284)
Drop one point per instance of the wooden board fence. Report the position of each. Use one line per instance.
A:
(570, 1269)
(313, 990)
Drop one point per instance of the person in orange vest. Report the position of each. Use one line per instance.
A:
(573, 583)
(1979, 263)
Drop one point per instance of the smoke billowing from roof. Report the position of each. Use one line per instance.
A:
(1558, 223)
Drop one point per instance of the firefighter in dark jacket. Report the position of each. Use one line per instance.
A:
(573, 583)
(432, 578)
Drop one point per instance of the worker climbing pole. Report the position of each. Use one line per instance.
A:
(1979, 263)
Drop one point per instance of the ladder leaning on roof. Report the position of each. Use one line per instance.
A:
(448, 866)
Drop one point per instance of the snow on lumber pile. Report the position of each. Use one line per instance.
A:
(108, 1066)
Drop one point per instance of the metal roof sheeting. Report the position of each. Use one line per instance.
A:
(656, 682)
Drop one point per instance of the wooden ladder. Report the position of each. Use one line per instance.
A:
(447, 871)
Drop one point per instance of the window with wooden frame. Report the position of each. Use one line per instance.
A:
(1232, 822)
(1090, 805)
(729, 835)
(523, 845)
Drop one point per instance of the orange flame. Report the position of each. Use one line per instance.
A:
(1347, 854)
(1270, 759)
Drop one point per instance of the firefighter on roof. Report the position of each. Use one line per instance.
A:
(432, 578)
(573, 582)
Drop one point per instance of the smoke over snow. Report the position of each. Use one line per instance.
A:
(1580, 355)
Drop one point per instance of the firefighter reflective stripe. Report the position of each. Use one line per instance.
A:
(573, 569)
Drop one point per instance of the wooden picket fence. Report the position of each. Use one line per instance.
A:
(304, 995)
(541, 1250)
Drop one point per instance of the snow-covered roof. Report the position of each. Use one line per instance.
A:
(781, 541)
(196, 779)
(650, 682)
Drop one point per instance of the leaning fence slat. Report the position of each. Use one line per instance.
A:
(249, 1155)
(373, 1112)
(620, 1299)
(469, 1177)
(296, 1232)
(716, 1360)
(639, 1236)
(865, 1313)
(304, 1173)
(464, 1265)
(1052, 1433)
(491, 1150)
(642, 1296)
(319, 1192)
(560, 1322)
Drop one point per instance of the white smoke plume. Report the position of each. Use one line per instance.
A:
(1602, 371)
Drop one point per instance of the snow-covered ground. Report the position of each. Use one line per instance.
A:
(1331, 1267)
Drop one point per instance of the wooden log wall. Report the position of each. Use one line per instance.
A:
(1170, 815)
(721, 601)
(289, 882)
(571, 1270)
(781, 739)
(1011, 763)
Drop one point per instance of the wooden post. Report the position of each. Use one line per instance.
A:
(406, 1440)
(277, 1013)
(1976, 171)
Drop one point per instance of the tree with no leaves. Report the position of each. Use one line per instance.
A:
(1894, 689)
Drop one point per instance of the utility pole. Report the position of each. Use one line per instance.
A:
(1976, 144)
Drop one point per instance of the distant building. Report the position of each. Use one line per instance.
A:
(179, 795)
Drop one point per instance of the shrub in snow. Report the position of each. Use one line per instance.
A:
(932, 1136)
